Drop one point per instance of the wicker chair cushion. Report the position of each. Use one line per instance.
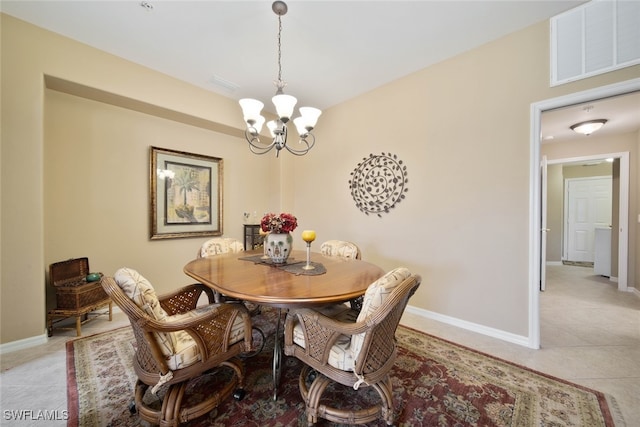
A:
(340, 248)
(346, 349)
(220, 245)
(341, 356)
(375, 295)
(185, 351)
(141, 292)
(178, 347)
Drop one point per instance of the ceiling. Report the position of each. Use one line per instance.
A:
(331, 50)
(621, 112)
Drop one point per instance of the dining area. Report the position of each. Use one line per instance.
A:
(79, 140)
(332, 311)
(274, 335)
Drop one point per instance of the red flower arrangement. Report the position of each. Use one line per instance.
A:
(283, 223)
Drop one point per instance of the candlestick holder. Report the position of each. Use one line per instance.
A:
(308, 266)
(264, 244)
(308, 236)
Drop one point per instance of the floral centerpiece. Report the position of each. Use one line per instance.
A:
(278, 241)
(283, 223)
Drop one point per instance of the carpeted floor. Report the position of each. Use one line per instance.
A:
(435, 383)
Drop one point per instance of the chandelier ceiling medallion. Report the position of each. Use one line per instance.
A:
(251, 109)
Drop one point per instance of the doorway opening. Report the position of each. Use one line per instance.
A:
(536, 189)
(620, 221)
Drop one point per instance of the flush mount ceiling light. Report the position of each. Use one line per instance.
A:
(588, 127)
(284, 104)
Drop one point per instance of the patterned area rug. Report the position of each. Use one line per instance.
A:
(435, 383)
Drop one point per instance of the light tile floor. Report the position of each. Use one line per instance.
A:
(590, 335)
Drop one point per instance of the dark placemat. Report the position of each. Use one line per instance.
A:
(298, 269)
(257, 259)
(292, 265)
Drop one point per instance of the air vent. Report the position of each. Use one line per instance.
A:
(595, 38)
(224, 84)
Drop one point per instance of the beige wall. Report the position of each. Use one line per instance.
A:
(75, 171)
(96, 186)
(581, 171)
(465, 230)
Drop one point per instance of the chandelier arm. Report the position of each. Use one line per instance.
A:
(260, 151)
(309, 145)
(253, 141)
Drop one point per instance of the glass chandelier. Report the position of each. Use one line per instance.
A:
(251, 109)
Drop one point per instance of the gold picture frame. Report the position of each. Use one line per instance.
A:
(185, 194)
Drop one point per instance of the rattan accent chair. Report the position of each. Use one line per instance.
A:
(356, 353)
(346, 250)
(217, 246)
(178, 341)
(340, 248)
(220, 245)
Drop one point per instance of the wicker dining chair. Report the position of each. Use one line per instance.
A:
(178, 341)
(340, 248)
(356, 353)
(220, 245)
(225, 245)
(346, 250)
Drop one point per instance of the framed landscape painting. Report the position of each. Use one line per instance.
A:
(185, 194)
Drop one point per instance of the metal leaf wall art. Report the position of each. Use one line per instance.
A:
(378, 183)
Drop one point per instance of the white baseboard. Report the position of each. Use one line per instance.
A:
(554, 262)
(23, 343)
(470, 326)
(40, 339)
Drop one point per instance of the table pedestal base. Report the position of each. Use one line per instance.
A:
(277, 357)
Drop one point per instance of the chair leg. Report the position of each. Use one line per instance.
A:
(78, 326)
(49, 325)
(312, 394)
(384, 389)
(172, 414)
(145, 412)
(315, 410)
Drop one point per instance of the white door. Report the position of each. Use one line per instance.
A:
(587, 207)
(543, 223)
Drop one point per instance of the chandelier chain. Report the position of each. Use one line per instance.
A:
(280, 82)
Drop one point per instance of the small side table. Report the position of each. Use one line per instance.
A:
(82, 315)
(75, 297)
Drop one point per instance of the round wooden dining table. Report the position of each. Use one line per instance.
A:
(248, 277)
(243, 276)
